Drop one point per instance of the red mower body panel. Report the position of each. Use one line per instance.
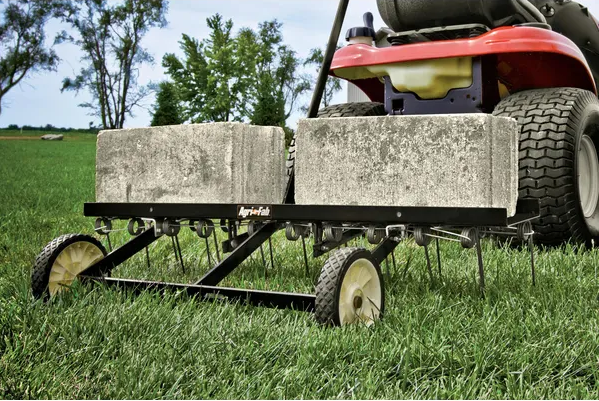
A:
(525, 57)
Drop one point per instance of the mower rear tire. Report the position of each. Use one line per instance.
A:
(364, 109)
(558, 161)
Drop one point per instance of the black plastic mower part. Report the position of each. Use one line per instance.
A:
(438, 33)
(366, 31)
(574, 21)
(405, 15)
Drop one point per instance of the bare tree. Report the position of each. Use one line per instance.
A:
(110, 37)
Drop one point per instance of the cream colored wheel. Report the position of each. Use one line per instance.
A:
(350, 289)
(62, 261)
(588, 183)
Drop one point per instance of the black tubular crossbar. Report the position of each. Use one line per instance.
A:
(325, 247)
(271, 299)
(125, 252)
(431, 216)
(385, 249)
(239, 254)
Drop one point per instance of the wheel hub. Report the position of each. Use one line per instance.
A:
(73, 260)
(360, 297)
(357, 302)
(588, 180)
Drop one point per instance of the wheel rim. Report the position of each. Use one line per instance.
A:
(588, 180)
(74, 259)
(360, 297)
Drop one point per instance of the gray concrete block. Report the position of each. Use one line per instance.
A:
(466, 160)
(52, 137)
(200, 163)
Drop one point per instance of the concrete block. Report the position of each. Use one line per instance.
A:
(52, 137)
(200, 163)
(466, 160)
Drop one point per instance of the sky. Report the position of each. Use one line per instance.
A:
(306, 24)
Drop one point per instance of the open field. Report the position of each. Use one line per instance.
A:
(35, 135)
(438, 340)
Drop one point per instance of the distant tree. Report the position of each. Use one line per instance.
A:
(23, 48)
(251, 76)
(333, 86)
(208, 77)
(167, 110)
(110, 36)
(278, 82)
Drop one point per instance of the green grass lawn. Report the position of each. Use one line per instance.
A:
(438, 340)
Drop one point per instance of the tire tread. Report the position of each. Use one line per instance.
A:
(43, 262)
(548, 119)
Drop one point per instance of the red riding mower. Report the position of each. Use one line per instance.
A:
(535, 61)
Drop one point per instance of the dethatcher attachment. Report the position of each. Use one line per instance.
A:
(529, 63)
(350, 288)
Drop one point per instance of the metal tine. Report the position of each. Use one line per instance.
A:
(408, 262)
(481, 267)
(177, 250)
(109, 242)
(208, 252)
(148, 258)
(439, 259)
(428, 264)
(305, 256)
(443, 238)
(216, 245)
(437, 229)
(264, 262)
(272, 259)
(532, 260)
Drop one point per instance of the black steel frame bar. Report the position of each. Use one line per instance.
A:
(385, 249)
(207, 285)
(323, 248)
(239, 254)
(445, 216)
(271, 299)
(125, 252)
(328, 58)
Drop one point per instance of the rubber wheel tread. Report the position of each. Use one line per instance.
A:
(329, 284)
(549, 120)
(40, 273)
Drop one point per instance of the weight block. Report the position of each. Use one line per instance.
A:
(199, 163)
(465, 160)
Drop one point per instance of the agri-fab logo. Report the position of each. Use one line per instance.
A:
(254, 212)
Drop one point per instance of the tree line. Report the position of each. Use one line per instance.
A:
(247, 75)
(50, 128)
